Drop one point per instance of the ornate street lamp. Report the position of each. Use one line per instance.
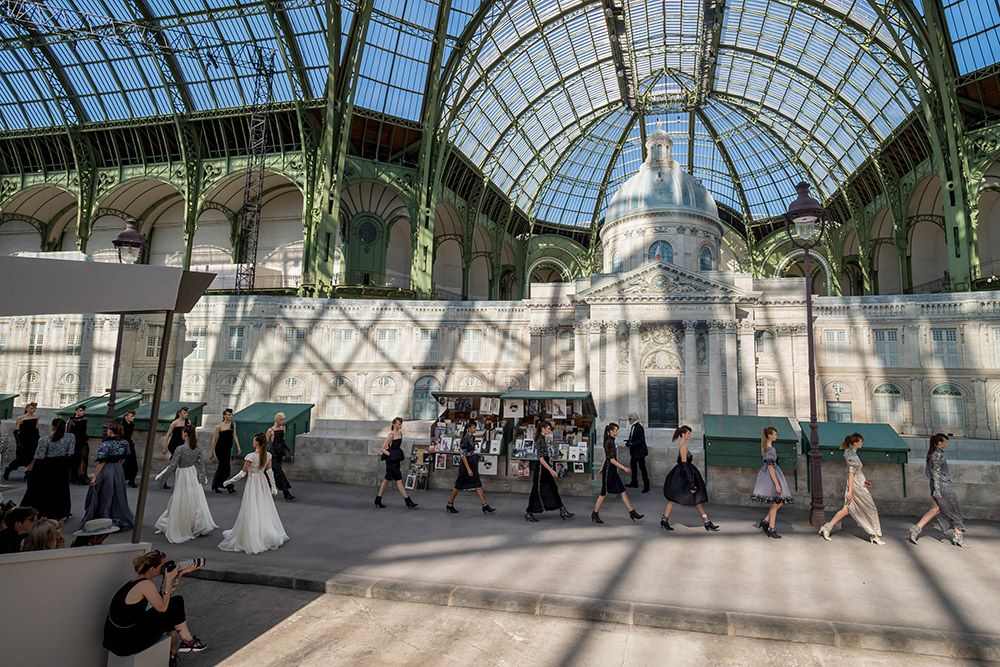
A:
(805, 223)
(129, 245)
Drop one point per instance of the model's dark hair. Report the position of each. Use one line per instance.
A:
(542, 424)
(115, 430)
(227, 411)
(28, 405)
(770, 430)
(398, 419)
(851, 440)
(177, 415)
(80, 407)
(608, 429)
(192, 435)
(130, 412)
(681, 430)
(58, 430)
(468, 425)
(261, 439)
(936, 440)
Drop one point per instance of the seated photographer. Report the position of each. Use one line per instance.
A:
(131, 627)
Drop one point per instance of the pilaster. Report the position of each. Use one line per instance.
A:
(693, 416)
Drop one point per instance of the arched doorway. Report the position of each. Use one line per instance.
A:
(425, 406)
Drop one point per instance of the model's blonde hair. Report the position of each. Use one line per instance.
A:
(280, 414)
(148, 561)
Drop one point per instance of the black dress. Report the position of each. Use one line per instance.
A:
(81, 455)
(131, 628)
(544, 492)
(394, 460)
(131, 465)
(223, 452)
(48, 484)
(681, 479)
(277, 450)
(465, 481)
(610, 481)
(27, 441)
(177, 437)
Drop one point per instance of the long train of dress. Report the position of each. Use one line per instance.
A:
(258, 527)
(187, 515)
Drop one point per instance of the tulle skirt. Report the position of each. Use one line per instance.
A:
(258, 527)
(187, 515)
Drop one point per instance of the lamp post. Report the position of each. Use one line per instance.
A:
(129, 245)
(805, 223)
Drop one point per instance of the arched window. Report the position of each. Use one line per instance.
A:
(510, 383)
(617, 263)
(566, 381)
(767, 392)
(888, 402)
(425, 406)
(705, 260)
(337, 398)
(566, 344)
(661, 251)
(765, 342)
(383, 393)
(947, 406)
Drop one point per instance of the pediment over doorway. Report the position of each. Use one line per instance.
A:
(660, 281)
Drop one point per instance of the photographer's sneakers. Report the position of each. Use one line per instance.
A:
(192, 646)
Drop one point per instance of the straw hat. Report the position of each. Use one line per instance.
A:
(97, 527)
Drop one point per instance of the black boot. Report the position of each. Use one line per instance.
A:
(634, 484)
(771, 532)
(132, 484)
(595, 517)
(645, 486)
(288, 494)
(231, 489)
(565, 513)
(451, 509)
(409, 502)
(762, 524)
(634, 515)
(709, 526)
(6, 473)
(378, 502)
(665, 523)
(216, 489)
(487, 509)
(531, 518)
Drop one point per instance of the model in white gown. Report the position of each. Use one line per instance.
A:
(258, 527)
(187, 515)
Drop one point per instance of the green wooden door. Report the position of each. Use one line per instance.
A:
(661, 394)
(366, 251)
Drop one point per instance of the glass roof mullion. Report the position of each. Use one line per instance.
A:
(733, 173)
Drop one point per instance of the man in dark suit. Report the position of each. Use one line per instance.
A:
(636, 443)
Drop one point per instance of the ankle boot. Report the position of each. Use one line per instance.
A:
(451, 509)
(665, 523)
(231, 489)
(762, 524)
(914, 534)
(565, 513)
(595, 517)
(288, 494)
(824, 531)
(487, 509)
(530, 518)
(378, 502)
(709, 526)
(632, 514)
(409, 503)
(216, 489)
(771, 532)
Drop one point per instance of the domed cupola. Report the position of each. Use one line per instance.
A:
(661, 212)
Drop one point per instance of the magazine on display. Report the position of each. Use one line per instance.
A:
(488, 465)
(513, 408)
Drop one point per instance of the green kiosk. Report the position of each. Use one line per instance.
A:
(168, 412)
(259, 417)
(882, 443)
(734, 440)
(97, 407)
(7, 405)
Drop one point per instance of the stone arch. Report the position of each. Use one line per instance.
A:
(46, 208)
(214, 237)
(786, 268)
(926, 197)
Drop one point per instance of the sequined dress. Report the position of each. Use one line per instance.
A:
(942, 493)
(861, 505)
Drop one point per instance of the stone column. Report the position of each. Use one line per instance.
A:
(732, 379)
(982, 429)
(634, 389)
(611, 363)
(747, 354)
(535, 362)
(580, 355)
(594, 353)
(550, 358)
(917, 405)
(691, 374)
(715, 368)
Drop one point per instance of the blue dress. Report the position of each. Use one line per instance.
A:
(106, 498)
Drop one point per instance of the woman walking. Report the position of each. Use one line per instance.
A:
(222, 447)
(106, 497)
(131, 465)
(610, 481)
(173, 438)
(187, 515)
(468, 471)
(771, 487)
(48, 484)
(258, 527)
(277, 446)
(944, 502)
(26, 433)
(544, 492)
(81, 455)
(684, 485)
(392, 454)
(857, 500)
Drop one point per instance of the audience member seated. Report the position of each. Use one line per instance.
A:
(93, 533)
(43, 535)
(18, 523)
(131, 627)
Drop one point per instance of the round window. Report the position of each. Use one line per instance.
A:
(291, 383)
(367, 233)
(338, 382)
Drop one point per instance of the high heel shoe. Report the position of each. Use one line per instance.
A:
(378, 502)
(709, 526)
(595, 517)
(487, 509)
(877, 539)
(762, 524)
(132, 485)
(231, 490)
(451, 509)
(632, 514)
(914, 533)
(771, 532)
(565, 513)
(288, 495)
(409, 503)
(531, 518)
(665, 523)
(824, 531)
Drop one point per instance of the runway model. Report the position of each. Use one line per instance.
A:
(106, 497)
(26, 430)
(222, 447)
(173, 438)
(258, 527)
(468, 471)
(857, 500)
(771, 487)
(684, 485)
(81, 455)
(544, 492)
(276, 442)
(392, 454)
(131, 465)
(187, 515)
(48, 484)
(610, 481)
(944, 502)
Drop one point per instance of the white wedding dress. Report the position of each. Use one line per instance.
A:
(258, 527)
(187, 515)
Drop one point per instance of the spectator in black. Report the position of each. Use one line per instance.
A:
(18, 523)
(636, 443)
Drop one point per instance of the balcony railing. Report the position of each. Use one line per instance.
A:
(936, 286)
(989, 270)
(260, 282)
(363, 278)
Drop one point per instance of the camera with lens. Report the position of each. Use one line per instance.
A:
(170, 565)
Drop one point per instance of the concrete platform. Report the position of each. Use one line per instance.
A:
(932, 598)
